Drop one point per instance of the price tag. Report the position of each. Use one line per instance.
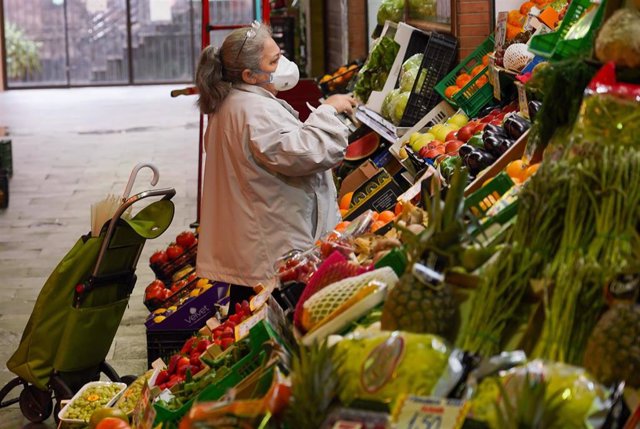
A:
(143, 414)
(259, 300)
(431, 413)
(501, 30)
(495, 81)
(522, 100)
(341, 424)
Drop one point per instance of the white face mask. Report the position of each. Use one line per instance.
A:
(286, 75)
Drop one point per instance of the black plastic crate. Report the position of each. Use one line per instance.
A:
(164, 344)
(4, 189)
(6, 161)
(439, 58)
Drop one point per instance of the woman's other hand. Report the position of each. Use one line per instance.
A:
(342, 103)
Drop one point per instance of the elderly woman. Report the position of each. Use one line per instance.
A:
(267, 184)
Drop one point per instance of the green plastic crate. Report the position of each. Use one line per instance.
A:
(470, 98)
(484, 198)
(258, 335)
(555, 47)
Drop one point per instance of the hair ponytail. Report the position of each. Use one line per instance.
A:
(212, 87)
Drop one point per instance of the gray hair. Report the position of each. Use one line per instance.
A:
(219, 69)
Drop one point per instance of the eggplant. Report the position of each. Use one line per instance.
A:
(478, 160)
(495, 129)
(534, 107)
(465, 150)
(516, 126)
(504, 145)
(492, 143)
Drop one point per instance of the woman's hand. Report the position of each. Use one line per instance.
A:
(342, 103)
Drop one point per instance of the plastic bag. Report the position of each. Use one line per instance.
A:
(390, 10)
(556, 395)
(409, 72)
(610, 111)
(422, 9)
(384, 366)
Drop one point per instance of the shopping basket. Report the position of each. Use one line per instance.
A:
(79, 309)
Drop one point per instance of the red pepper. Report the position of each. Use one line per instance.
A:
(172, 364)
(186, 349)
(226, 342)
(162, 377)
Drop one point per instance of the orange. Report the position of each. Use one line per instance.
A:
(342, 226)
(517, 170)
(345, 201)
(526, 7)
(398, 209)
(325, 78)
(377, 225)
(341, 70)
(477, 70)
(531, 170)
(343, 213)
(387, 216)
(513, 31)
(375, 216)
(462, 80)
(515, 18)
(485, 60)
(482, 81)
(450, 91)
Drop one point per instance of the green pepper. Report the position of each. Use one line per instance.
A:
(476, 141)
(448, 166)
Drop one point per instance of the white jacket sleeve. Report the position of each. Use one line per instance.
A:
(295, 148)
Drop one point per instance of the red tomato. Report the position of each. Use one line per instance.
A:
(155, 291)
(112, 423)
(176, 286)
(174, 251)
(160, 257)
(451, 136)
(186, 239)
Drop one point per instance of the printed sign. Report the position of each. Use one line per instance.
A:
(143, 414)
(431, 413)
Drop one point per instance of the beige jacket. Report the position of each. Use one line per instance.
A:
(267, 185)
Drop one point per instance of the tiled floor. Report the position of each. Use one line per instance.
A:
(71, 147)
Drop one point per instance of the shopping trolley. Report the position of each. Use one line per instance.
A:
(81, 305)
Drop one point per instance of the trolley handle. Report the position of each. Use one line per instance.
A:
(190, 90)
(166, 193)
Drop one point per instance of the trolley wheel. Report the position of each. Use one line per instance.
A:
(128, 379)
(36, 405)
(7, 389)
(61, 391)
(56, 410)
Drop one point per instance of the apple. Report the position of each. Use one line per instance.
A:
(186, 239)
(479, 127)
(496, 122)
(421, 141)
(174, 251)
(465, 133)
(459, 119)
(451, 136)
(453, 146)
(160, 257)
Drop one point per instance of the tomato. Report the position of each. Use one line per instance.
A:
(451, 136)
(176, 286)
(102, 413)
(192, 277)
(112, 423)
(186, 239)
(160, 257)
(155, 291)
(174, 251)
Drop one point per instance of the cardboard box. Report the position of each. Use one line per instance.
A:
(357, 177)
(379, 193)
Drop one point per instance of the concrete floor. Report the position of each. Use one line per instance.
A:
(71, 147)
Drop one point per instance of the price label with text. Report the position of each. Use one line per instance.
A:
(431, 413)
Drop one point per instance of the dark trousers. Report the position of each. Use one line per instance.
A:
(238, 294)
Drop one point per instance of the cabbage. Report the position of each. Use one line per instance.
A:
(387, 103)
(413, 62)
(390, 10)
(399, 104)
(422, 9)
(409, 72)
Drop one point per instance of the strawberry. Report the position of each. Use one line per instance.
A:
(162, 378)
(226, 342)
(172, 363)
(202, 345)
(186, 349)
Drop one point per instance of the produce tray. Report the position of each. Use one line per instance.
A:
(484, 198)
(470, 98)
(439, 56)
(165, 343)
(258, 335)
(338, 84)
(166, 271)
(73, 423)
(554, 46)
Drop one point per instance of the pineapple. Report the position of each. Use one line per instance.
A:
(414, 306)
(613, 350)
(421, 302)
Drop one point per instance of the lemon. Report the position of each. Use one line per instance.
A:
(202, 282)
(195, 292)
(159, 311)
(172, 308)
(459, 119)
(158, 319)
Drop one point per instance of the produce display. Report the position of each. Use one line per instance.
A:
(503, 284)
(338, 80)
(93, 397)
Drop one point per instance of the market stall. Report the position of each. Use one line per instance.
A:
(485, 274)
